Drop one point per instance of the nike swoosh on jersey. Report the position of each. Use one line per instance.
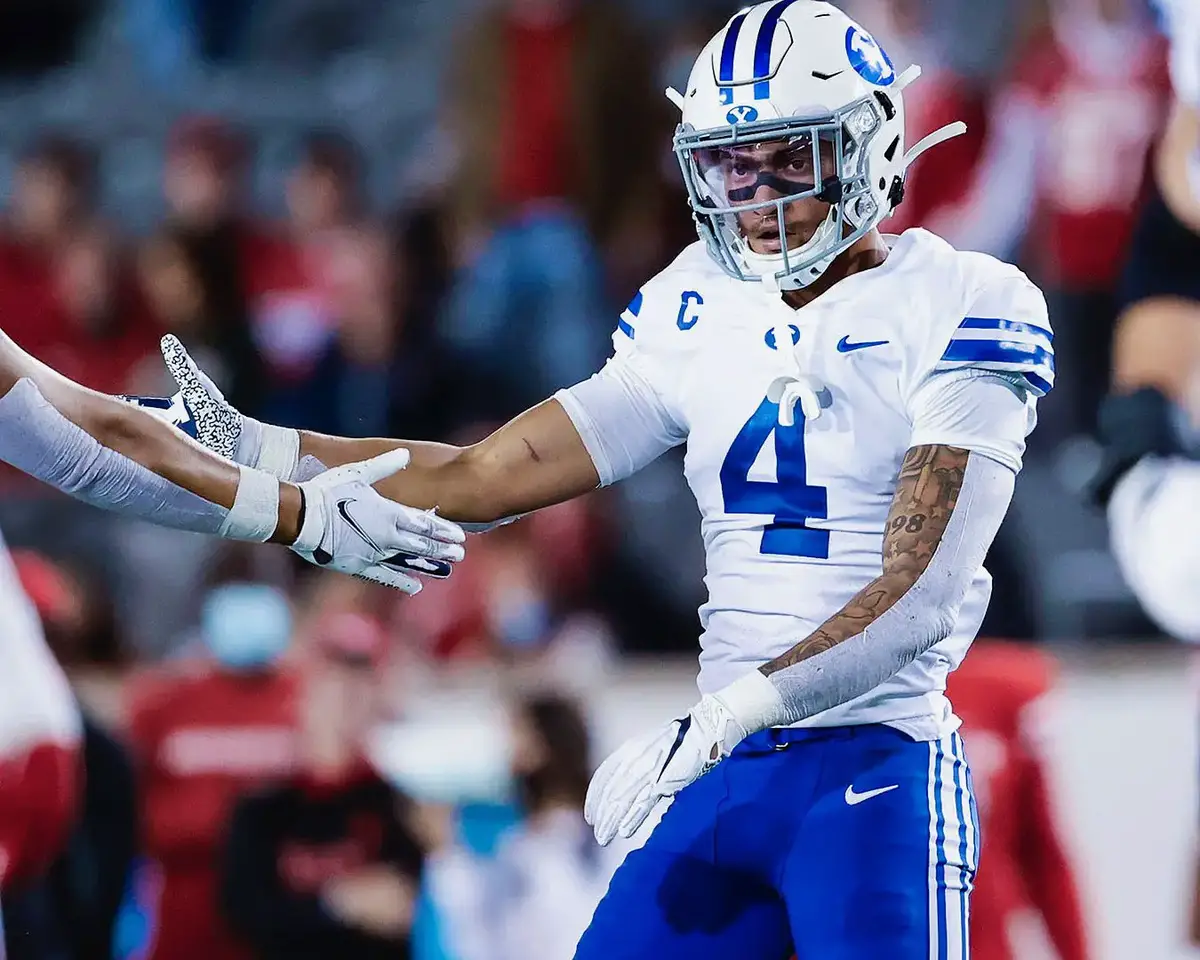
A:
(845, 346)
(853, 799)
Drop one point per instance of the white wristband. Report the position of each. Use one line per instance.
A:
(255, 512)
(754, 703)
(280, 451)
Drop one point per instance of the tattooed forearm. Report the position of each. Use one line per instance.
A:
(926, 493)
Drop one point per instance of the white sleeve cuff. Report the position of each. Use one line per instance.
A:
(621, 420)
(974, 410)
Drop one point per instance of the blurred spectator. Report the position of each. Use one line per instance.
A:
(198, 272)
(536, 895)
(1000, 691)
(941, 181)
(68, 814)
(544, 97)
(66, 294)
(72, 912)
(1063, 169)
(205, 732)
(521, 596)
(40, 726)
(328, 864)
(322, 301)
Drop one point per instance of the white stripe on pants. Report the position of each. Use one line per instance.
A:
(954, 850)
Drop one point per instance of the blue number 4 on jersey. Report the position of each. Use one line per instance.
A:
(790, 500)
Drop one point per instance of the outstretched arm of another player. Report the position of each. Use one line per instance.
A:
(114, 456)
(946, 510)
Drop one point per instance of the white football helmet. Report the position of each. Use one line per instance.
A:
(801, 75)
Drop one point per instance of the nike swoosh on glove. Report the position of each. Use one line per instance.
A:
(649, 768)
(351, 528)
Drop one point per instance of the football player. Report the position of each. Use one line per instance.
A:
(855, 409)
(1150, 480)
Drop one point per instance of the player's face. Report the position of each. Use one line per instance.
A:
(761, 172)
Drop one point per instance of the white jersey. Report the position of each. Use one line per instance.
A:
(36, 703)
(793, 517)
(1181, 23)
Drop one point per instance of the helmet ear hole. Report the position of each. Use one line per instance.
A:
(896, 194)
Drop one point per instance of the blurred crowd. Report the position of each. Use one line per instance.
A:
(432, 284)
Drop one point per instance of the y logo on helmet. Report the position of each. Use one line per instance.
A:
(742, 113)
(868, 59)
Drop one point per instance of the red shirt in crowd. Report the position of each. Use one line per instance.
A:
(1100, 121)
(996, 691)
(291, 307)
(34, 304)
(536, 129)
(204, 737)
(942, 178)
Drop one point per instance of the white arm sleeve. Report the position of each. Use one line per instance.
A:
(621, 419)
(922, 617)
(974, 410)
(1154, 529)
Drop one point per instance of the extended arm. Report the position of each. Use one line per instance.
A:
(116, 456)
(130, 432)
(594, 433)
(534, 461)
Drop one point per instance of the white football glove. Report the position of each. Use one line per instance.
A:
(221, 427)
(652, 767)
(202, 412)
(351, 528)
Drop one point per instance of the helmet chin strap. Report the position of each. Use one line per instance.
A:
(768, 265)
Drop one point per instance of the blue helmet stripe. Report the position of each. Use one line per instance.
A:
(730, 47)
(762, 48)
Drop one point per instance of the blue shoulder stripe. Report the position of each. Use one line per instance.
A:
(1040, 384)
(634, 308)
(999, 351)
(998, 323)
